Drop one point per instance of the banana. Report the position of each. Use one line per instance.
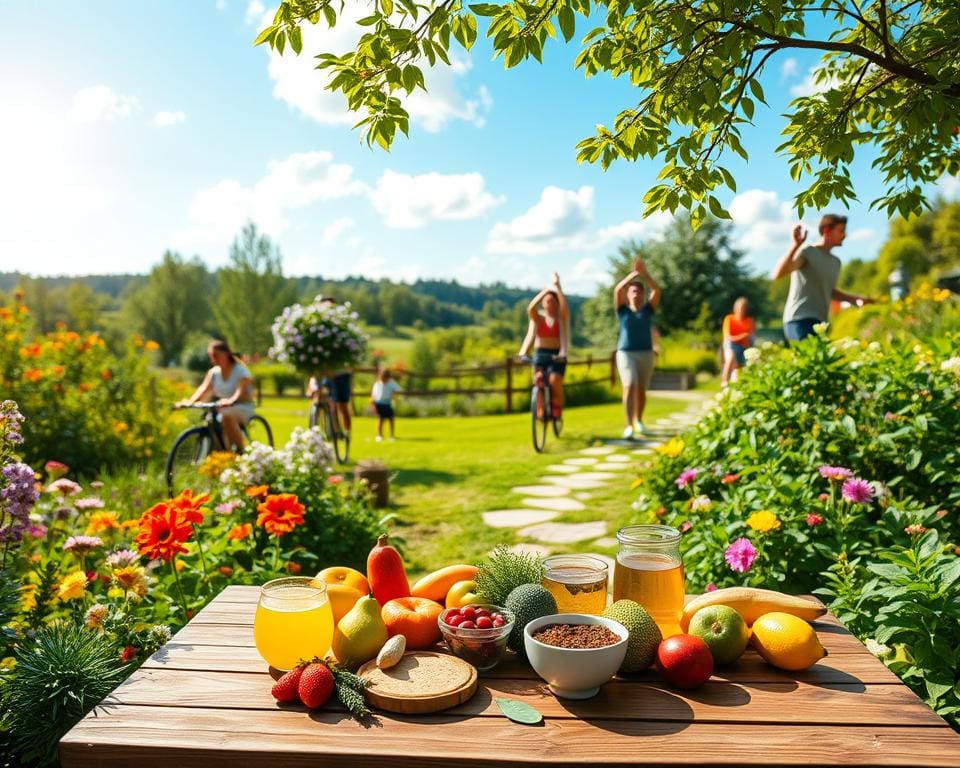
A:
(752, 603)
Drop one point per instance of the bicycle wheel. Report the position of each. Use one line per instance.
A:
(314, 413)
(539, 413)
(258, 431)
(188, 452)
(341, 438)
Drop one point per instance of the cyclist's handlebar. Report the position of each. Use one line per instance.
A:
(198, 406)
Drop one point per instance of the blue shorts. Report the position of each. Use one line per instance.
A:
(543, 359)
(340, 386)
(737, 351)
(798, 330)
(384, 410)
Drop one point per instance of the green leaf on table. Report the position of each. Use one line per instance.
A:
(518, 711)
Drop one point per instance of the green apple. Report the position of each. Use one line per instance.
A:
(723, 630)
(462, 593)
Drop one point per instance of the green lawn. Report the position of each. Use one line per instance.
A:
(450, 470)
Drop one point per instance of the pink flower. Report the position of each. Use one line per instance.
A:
(65, 487)
(227, 507)
(685, 526)
(857, 491)
(814, 519)
(914, 530)
(686, 477)
(711, 587)
(889, 416)
(81, 545)
(824, 497)
(740, 555)
(122, 557)
(835, 473)
(56, 469)
(335, 479)
(88, 503)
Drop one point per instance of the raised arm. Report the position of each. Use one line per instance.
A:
(535, 302)
(641, 270)
(564, 316)
(620, 289)
(791, 261)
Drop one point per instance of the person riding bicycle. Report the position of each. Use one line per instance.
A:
(549, 333)
(338, 383)
(231, 383)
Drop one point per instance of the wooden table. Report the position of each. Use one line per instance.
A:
(204, 700)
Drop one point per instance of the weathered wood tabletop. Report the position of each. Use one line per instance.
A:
(204, 700)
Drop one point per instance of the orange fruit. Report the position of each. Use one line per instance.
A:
(415, 618)
(341, 574)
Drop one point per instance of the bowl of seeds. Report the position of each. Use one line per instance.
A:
(575, 653)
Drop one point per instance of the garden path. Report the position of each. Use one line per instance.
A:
(567, 488)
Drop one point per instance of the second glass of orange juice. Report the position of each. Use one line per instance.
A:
(293, 621)
(649, 571)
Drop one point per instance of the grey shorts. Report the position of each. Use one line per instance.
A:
(635, 367)
(242, 411)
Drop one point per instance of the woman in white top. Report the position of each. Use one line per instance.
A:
(231, 383)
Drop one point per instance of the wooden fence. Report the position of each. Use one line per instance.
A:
(418, 384)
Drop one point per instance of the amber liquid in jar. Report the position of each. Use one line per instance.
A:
(656, 582)
(577, 589)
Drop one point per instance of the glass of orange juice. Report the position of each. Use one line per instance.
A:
(577, 582)
(649, 571)
(293, 621)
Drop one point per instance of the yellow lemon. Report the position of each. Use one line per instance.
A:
(786, 642)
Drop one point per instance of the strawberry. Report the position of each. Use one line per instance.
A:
(285, 689)
(316, 685)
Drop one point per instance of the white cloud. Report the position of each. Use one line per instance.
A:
(221, 5)
(810, 87)
(762, 221)
(585, 276)
(218, 212)
(165, 118)
(302, 86)
(333, 230)
(949, 187)
(650, 228)
(255, 11)
(556, 222)
(101, 102)
(409, 202)
(789, 68)
(862, 235)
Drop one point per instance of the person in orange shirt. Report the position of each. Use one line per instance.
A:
(739, 330)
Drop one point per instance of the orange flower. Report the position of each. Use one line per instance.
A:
(280, 514)
(226, 570)
(257, 491)
(240, 532)
(106, 374)
(163, 529)
(151, 346)
(31, 350)
(33, 375)
(102, 521)
(190, 506)
(293, 568)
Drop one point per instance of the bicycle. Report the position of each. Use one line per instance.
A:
(195, 443)
(324, 410)
(541, 408)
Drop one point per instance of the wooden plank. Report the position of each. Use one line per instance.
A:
(210, 738)
(720, 701)
(844, 668)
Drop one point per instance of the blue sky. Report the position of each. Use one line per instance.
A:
(134, 127)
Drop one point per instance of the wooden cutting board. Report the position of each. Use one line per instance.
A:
(422, 681)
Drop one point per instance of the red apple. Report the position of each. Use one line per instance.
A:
(685, 661)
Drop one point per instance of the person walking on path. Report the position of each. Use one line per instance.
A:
(635, 356)
(814, 272)
(739, 330)
(381, 396)
(549, 333)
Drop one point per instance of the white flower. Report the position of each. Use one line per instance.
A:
(701, 503)
(951, 366)
(821, 328)
(752, 355)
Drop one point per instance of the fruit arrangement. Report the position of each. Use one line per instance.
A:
(477, 633)
(313, 682)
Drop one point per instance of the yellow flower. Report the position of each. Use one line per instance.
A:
(636, 483)
(151, 346)
(672, 448)
(28, 597)
(102, 521)
(216, 462)
(763, 521)
(8, 663)
(73, 586)
(131, 578)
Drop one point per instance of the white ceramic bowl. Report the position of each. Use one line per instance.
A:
(574, 673)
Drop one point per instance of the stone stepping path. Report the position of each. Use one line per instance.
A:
(540, 490)
(565, 533)
(564, 468)
(556, 505)
(517, 518)
(570, 480)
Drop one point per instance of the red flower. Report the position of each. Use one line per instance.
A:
(163, 530)
(731, 478)
(280, 514)
(814, 519)
(190, 506)
(239, 531)
(335, 479)
(824, 497)
(129, 654)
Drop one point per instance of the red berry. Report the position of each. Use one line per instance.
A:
(285, 689)
(453, 621)
(453, 612)
(496, 616)
(467, 625)
(482, 612)
(316, 685)
(469, 612)
(498, 621)
(484, 622)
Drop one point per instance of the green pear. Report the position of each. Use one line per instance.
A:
(360, 634)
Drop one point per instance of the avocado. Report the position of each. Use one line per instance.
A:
(528, 602)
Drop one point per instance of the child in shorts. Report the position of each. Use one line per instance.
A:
(381, 396)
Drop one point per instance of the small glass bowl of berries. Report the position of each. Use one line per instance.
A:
(477, 633)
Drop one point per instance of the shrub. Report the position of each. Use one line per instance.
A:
(84, 406)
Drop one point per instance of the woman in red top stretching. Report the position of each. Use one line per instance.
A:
(739, 330)
(549, 332)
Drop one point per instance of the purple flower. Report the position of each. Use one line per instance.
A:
(81, 545)
(857, 491)
(835, 473)
(686, 477)
(740, 555)
(88, 503)
(18, 496)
